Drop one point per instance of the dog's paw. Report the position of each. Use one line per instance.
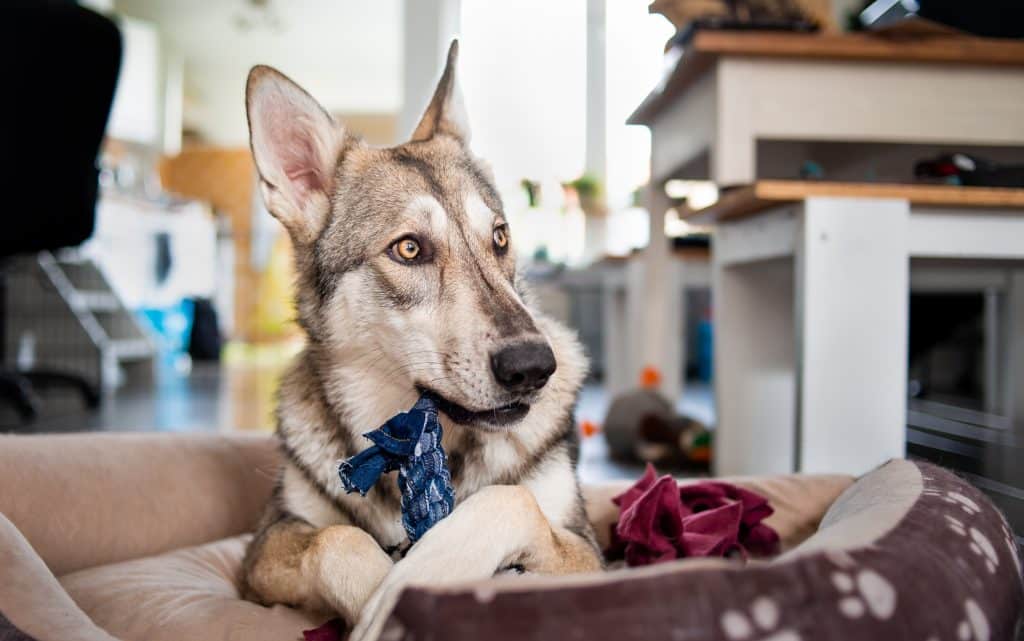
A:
(429, 562)
(470, 544)
(376, 611)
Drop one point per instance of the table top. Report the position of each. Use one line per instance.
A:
(708, 46)
(746, 201)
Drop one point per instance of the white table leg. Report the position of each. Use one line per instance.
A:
(673, 355)
(755, 370)
(654, 303)
(852, 310)
(614, 341)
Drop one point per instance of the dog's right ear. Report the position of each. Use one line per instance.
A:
(446, 113)
(295, 144)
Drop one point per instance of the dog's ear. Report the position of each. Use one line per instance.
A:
(296, 145)
(446, 113)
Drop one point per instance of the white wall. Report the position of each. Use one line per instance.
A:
(428, 29)
(137, 110)
(346, 53)
(635, 43)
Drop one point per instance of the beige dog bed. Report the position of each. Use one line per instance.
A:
(146, 534)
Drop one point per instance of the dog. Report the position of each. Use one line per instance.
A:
(406, 284)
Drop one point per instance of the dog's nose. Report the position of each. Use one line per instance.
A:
(523, 367)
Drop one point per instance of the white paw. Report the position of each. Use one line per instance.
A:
(763, 619)
(371, 621)
(869, 591)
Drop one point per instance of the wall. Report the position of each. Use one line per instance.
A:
(345, 52)
(137, 112)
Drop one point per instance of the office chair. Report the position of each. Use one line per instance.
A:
(61, 63)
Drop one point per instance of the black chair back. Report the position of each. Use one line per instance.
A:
(61, 63)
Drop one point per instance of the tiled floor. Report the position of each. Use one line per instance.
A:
(241, 397)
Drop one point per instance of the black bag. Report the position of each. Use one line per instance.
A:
(206, 342)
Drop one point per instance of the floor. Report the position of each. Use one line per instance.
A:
(209, 398)
(240, 395)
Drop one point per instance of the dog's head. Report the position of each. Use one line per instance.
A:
(406, 262)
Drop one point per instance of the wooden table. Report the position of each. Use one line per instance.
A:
(730, 90)
(728, 106)
(811, 283)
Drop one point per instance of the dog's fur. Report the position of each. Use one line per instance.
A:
(378, 332)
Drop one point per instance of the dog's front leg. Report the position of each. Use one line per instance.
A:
(499, 526)
(337, 568)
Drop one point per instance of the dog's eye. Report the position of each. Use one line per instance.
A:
(406, 249)
(411, 250)
(501, 237)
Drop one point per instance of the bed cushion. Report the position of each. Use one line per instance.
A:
(185, 594)
(88, 499)
(32, 603)
(909, 552)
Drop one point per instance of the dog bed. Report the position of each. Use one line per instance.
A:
(146, 535)
(909, 551)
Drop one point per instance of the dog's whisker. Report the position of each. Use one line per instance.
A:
(379, 355)
(423, 357)
(394, 369)
(410, 368)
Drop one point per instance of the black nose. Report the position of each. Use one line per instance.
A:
(523, 367)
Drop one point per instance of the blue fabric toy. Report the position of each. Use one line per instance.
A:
(410, 443)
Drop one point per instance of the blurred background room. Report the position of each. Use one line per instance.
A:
(790, 233)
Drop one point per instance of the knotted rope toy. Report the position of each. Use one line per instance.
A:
(409, 442)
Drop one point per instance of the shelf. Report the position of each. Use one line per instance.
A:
(742, 202)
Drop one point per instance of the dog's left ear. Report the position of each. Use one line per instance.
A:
(446, 113)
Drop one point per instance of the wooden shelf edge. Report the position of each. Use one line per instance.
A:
(748, 200)
(960, 50)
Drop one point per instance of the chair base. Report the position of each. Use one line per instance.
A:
(46, 379)
(19, 389)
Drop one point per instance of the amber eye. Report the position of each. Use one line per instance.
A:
(501, 237)
(407, 249)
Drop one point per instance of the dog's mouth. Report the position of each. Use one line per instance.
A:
(497, 416)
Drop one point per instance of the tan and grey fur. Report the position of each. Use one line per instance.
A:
(379, 330)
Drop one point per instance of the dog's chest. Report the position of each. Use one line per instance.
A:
(485, 461)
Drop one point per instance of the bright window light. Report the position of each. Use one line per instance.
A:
(523, 73)
(698, 193)
(635, 44)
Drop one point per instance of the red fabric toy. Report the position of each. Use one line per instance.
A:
(660, 520)
(333, 630)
